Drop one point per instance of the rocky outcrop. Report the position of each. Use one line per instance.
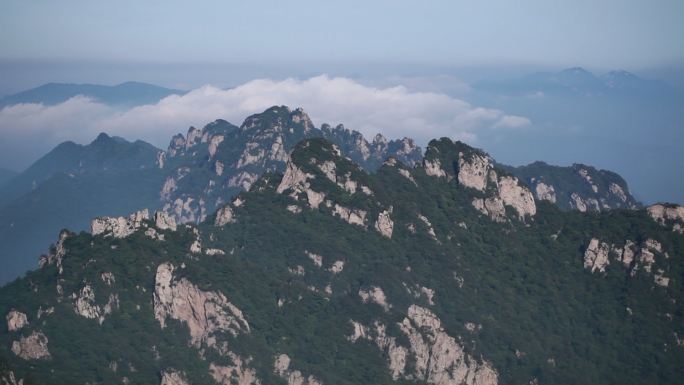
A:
(473, 170)
(352, 216)
(281, 367)
(9, 378)
(492, 207)
(517, 196)
(596, 256)
(16, 320)
(668, 215)
(384, 224)
(337, 267)
(173, 377)
(315, 258)
(374, 295)
(545, 192)
(85, 305)
(119, 227)
(297, 181)
(577, 187)
(164, 222)
(236, 374)
(437, 357)
(33, 347)
(434, 168)
(633, 257)
(56, 254)
(207, 314)
(224, 215)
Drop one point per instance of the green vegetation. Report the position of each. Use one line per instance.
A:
(523, 282)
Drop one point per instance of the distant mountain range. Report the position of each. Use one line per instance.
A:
(577, 82)
(126, 94)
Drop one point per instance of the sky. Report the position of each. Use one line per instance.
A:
(403, 68)
(607, 33)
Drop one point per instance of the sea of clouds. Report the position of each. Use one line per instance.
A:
(30, 130)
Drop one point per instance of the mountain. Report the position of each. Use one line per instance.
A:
(126, 94)
(579, 187)
(6, 175)
(618, 121)
(68, 187)
(449, 272)
(195, 176)
(577, 81)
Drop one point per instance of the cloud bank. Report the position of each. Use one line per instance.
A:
(32, 129)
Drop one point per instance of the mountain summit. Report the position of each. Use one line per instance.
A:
(205, 168)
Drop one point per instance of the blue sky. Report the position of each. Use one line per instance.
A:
(628, 34)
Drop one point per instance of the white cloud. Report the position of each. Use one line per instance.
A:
(394, 111)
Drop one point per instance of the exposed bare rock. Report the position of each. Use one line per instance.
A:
(119, 227)
(16, 320)
(329, 170)
(163, 221)
(472, 172)
(516, 196)
(293, 179)
(297, 181)
(243, 179)
(46, 311)
(183, 210)
(384, 223)
(438, 358)
(170, 185)
(633, 257)
(375, 295)
(56, 253)
(545, 192)
(616, 190)
(492, 207)
(434, 168)
(472, 327)
(426, 221)
(33, 347)
(173, 377)
(10, 379)
(236, 374)
(294, 209)
(665, 214)
(446, 362)
(85, 306)
(352, 216)
(596, 256)
(317, 259)
(161, 158)
(584, 205)
(214, 252)
(214, 143)
(219, 167)
(337, 267)
(207, 314)
(224, 215)
(660, 279)
(281, 367)
(585, 174)
(428, 293)
(407, 174)
(108, 278)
